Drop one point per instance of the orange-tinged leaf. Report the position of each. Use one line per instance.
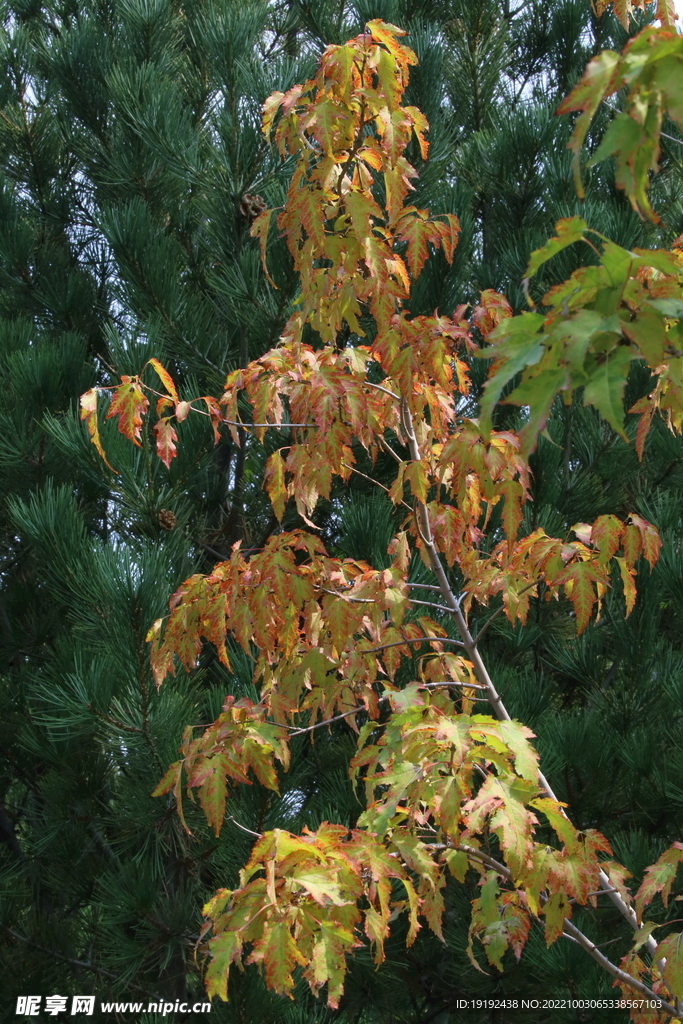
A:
(606, 536)
(513, 493)
(652, 542)
(166, 438)
(328, 966)
(165, 378)
(579, 583)
(213, 793)
(89, 414)
(417, 232)
(629, 585)
(632, 544)
(386, 33)
(129, 403)
(417, 477)
(274, 483)
(170, 779)
(279, 954)
(259, 229)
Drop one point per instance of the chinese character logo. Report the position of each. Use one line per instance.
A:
(28, 1006)
(55, 1005)
(83, 1004)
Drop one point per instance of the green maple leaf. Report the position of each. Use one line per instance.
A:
(225, 949)
(321, 884)
(671, 950)
(555, 910)
(515, 343)
(517, 736)
(569, 230)
(561, 824)
(605, 387)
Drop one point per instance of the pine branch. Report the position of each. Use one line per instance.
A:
(82, 964)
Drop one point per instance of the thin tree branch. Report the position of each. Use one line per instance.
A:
(389, 450)
(328, 721)
(572, 932)
(498, 612)
(412, 640)
(375, 482)
(481, 672)
(378, 387)
(249, 831)
(430, 604)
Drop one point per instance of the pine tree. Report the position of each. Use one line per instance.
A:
(133, 167)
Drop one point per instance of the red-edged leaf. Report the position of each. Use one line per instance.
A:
(579, 579)
(513, 493)
(166, 438)
(170, 779)
(632, 545)
(213, 792)
(606, 536)
(279, 954)
(659, 878)
(629, 585)
(652, 542)
(129, 403)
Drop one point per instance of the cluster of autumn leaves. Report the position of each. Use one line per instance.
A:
(328, 636)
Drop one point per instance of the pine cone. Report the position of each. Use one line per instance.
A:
(167, 519)
(251, 206)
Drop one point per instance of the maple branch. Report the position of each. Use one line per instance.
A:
(573, 932)
(430, 604)
(361, 707)
(354, 600)
(470, 645)
(424, 586)
(336, 718)
(616, 972)
(373, 481)
(259, 835)
(246, 426)
(378, 387)
(413, 640)
(498, 612)
(390, 451)
(457, 682)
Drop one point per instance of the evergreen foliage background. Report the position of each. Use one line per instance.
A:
(130, 152)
